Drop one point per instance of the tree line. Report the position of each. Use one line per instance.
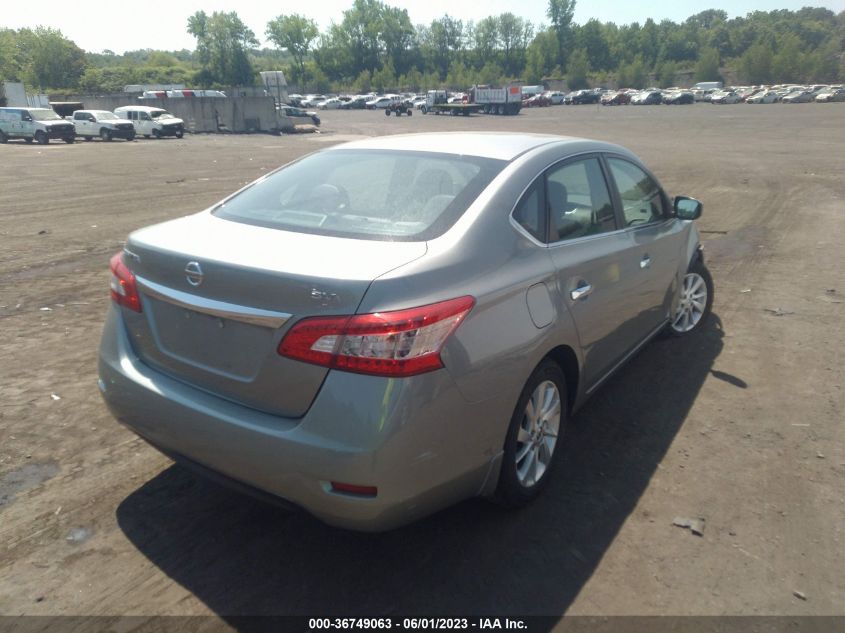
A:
(375, 46)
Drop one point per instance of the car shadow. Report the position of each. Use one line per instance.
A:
(242, 557)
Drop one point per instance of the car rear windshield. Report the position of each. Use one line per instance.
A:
(367, 194)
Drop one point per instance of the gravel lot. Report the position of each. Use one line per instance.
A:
(741, 426)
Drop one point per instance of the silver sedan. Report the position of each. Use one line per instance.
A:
(387, 327)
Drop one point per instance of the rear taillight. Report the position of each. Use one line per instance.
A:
(124, 291)
(353, 489)
(399, 343)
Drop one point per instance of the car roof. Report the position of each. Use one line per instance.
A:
(496, 145)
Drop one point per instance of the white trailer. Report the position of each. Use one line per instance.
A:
(530, 91)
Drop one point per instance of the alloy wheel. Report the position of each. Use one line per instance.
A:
(538, 434)
(693, 303)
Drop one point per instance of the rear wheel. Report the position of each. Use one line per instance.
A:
(69, 139)
(387, 112)
(179, 134)
(41, 137)
(696, 300)
(131, 137)
(534, 436)
(424, 110)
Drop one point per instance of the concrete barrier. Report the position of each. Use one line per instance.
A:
(203, 114)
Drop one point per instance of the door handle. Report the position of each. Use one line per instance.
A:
(582, 291)
(645, 262)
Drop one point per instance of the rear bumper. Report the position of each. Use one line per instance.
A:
(417, 440)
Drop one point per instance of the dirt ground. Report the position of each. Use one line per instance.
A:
(741, 426)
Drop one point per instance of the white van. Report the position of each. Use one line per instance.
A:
(34, 124)
(151, 121)
(708, 85)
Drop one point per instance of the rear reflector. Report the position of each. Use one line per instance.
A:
(352, 489)
(123, 289)
(396, 344)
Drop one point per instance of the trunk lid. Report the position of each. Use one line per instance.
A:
(217, 297)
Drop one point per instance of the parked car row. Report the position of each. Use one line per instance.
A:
(43, 124)
(712, 92)
(370, 101)
(716, 96)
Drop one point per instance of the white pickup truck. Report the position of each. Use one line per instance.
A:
(151, 121)
(107, 125)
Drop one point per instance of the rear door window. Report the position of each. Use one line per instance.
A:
(578, 200)
(642, 199)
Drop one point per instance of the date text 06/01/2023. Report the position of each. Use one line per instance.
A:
(415, 624)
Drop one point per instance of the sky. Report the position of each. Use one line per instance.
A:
(161, 25)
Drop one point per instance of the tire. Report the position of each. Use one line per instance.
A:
(179, 134)
(69, 140)
(156, 134)
(409, 112)
(387, 113)
(424, 110)
(131, 137)
(534, 438)
(3, 138)
(105, 135)
(696, 301)
(41, 137)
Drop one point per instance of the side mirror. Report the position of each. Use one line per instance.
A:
(687, 208)
(27, 118)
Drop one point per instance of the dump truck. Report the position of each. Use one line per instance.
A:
(507, 100)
